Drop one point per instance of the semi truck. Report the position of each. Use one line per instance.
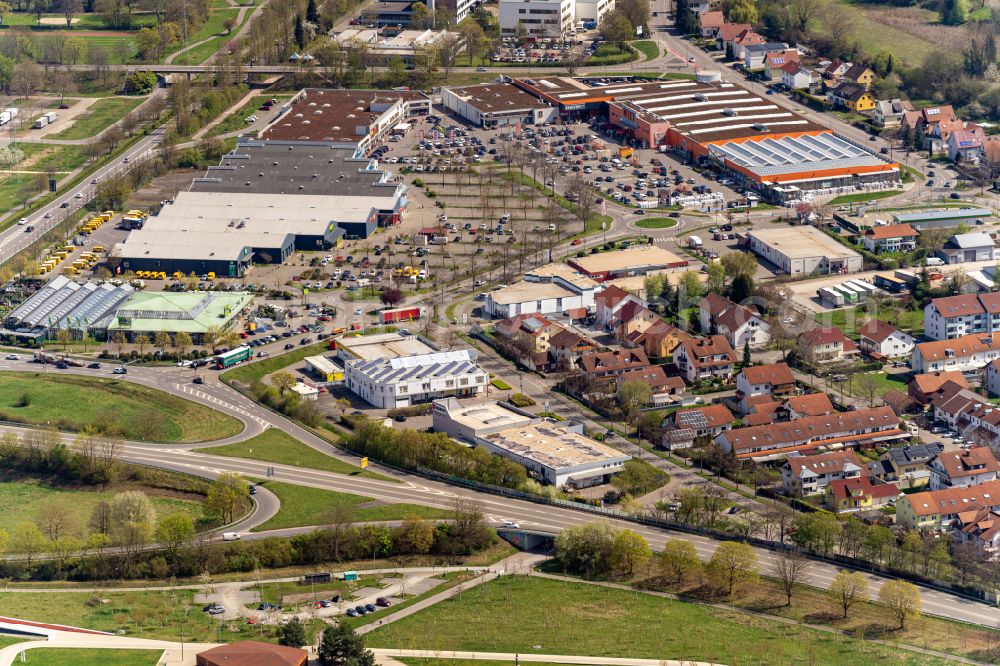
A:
(400, 314)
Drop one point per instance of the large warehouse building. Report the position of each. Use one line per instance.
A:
(633, 261)
(388, 383)
(804, 251)
(558, 454)
(766, 147)
(498, 105)
(354, 119)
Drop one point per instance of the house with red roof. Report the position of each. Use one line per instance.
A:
(963, 468)
(527, 338)
(660, 339)
(966, 144)
(631, 320)
(608, 302)
(706, 359)
(796, 76)
(979, 526)
(878, 337)
(923, 387)
(775, 379)
(709, 23)
(859, 494)
(730, 37)
(685, 425)
(808, 475)
(810, 404)
(823, 345)
(739, 324)
(891, 238)
(775, 61)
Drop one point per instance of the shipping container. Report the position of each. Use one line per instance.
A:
(831, 297)
(400, 314)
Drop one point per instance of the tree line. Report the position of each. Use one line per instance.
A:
(598, 551)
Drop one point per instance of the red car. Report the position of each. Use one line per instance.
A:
(577, 242)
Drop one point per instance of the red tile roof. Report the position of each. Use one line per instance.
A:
(715, 416)
(824, 336)
(813, 429)
(811, 404)
(967, 345)
(730, 31)
(930, 382)
(700, 350)
(968, 462)
(892, 231)
(954, 500)
(877, 330)
(611, 296)
(956, 306)
(824, 463)
(776, 373)
(843, 488)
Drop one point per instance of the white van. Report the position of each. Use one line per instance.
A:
(933, 261)
(231, 536)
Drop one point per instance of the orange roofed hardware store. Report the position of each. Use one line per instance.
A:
(765, 147)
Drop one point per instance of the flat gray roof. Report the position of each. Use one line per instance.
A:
(948, 214)
(788, 154)
(264, 168)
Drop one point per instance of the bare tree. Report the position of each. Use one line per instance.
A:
(790, 570)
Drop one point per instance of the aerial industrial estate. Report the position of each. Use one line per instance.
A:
(376, 333)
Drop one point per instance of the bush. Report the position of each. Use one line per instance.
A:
(521, 400)
(500, 384)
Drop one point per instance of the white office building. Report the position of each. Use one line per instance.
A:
(554, 289)
(536, 18)
(406, 380)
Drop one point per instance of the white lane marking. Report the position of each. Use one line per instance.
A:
(207, 397)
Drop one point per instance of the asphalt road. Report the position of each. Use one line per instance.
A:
(15, 239)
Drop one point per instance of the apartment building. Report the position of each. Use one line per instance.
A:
(807, 475)
(934, 509)
(705, 359)
(955, 316)
(966, 353)
(960, 469)
(536, 18)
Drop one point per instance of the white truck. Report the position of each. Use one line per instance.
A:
(40, 122)
(695, 242)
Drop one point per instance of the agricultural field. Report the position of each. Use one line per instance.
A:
(132, 411)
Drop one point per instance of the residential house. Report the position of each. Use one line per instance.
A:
(662, 386)
(966, 145)
(967, 467)
(755, 54)
(889, 112)
(860, 75)
(992, 378)
(891, 238)
(796, 76)
(774, 380)
(810, 404)
(979, 526)
(684, 425)
(835, 70)
(741, 325)
(955, 316)
(901, 403)
(705, 359)
(937, 122)
(859, 494)
(923, 387)
(952, 403)
(608, 302)
(699, 7)
(709, 23)
(852, 97)
(878, 337)
(826, 345)
(861, 427)
(631, 320)
(808, 475)
(660, 339)
(731, 37)
(933, 509)
(975, 246)
(906, 466)
(605, 365)
(566, 347)
(775, 61)
(528, 337)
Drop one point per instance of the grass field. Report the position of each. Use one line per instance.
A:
(273, 593)
(883, 382)
(236, 121)
(656, 223)
(214, 27)
(541, 616)
(27, 500)
(302, 506)
(41, 157)
(256, 371)
(861, 197)
(850, 321)
(72, 402)
(451, 579)
(91, 657)
(277, 446)
(98, 117)
(874, 36)
(648, 48)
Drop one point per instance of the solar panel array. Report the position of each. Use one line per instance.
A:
(803, 153)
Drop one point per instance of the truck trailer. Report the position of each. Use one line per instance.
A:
(400, 314)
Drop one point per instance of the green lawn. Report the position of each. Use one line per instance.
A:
(861, 197)
(214, 27)
(236, 120)
(273, 593)
(28, 500)
(851, 321)
(132, 411)
(541, 616)
(98, 117)
(256, 371)
(302, 506)
(84, 21)
(874, 36)
(91, 657)
(656, 223)
(882, 383)
(648, 48)
(277, 446)
(42, 157)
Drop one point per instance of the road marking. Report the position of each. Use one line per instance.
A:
(207, 397)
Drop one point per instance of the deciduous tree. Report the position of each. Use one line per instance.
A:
(849, 588)
(732, 565)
